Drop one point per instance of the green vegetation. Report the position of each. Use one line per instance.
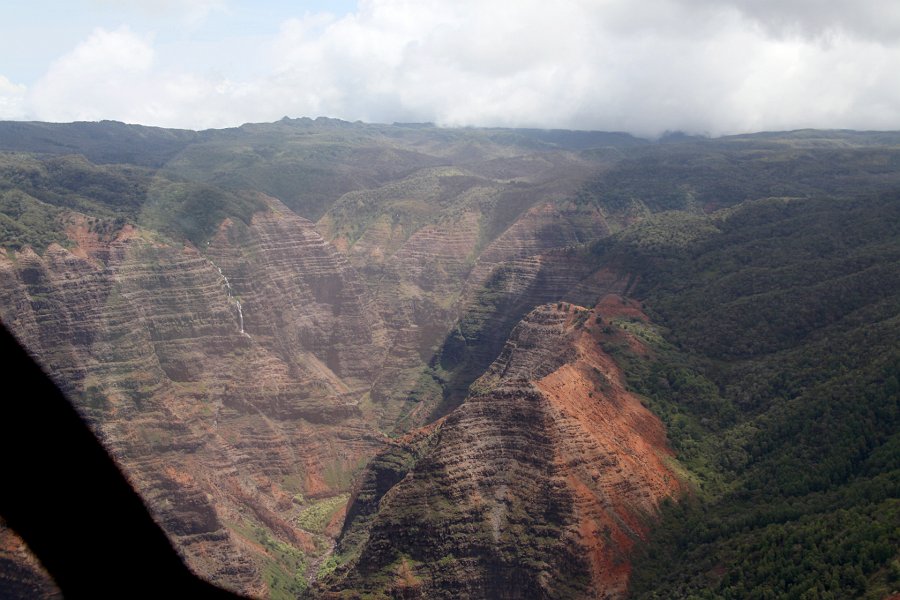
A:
(704, 175)
(399, 208)
(71, 182)
(328, 566)
(778, 385)
(316, 517)
(194, 211)
(283, 566)
(102, 143)
(26, 221)
(37, 193)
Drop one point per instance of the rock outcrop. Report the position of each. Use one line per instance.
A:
(537, 486)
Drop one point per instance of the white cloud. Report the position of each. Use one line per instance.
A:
(103, 77)
(865, 19)
(115, 75)
(12, 100)
(697, 65)
(189, 12)
(590, 64)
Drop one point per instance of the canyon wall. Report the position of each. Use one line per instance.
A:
(537, 486)
(226, 384)
(242, 363)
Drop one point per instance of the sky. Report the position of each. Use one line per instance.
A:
(710, 67)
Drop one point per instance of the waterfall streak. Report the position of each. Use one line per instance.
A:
(231, 298)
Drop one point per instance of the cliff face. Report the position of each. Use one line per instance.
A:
(235, 383)
(462, 252)
(301, 299)
(225, 383)
(241, 362)
(537, 486)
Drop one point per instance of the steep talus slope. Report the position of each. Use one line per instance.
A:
(90, 333)
(427, 244)
(437, 257)
(417, 291)
(544, 227)
(538, 485)
(513, 289)
(482, 321)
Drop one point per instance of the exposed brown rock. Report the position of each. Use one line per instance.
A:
(21, 575)
(543, 227)
(538, 485)
(240, 382)
(217, 428)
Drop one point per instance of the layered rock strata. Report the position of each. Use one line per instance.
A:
(537, 486)
(225, 381)
(241, 380)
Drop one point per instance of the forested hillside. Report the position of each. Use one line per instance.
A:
(778, 382)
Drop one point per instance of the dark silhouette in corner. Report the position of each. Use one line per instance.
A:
(70, 503)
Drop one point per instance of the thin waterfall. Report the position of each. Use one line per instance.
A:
(235, 301)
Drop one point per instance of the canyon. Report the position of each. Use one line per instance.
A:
(243, 371)
(347, 360)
